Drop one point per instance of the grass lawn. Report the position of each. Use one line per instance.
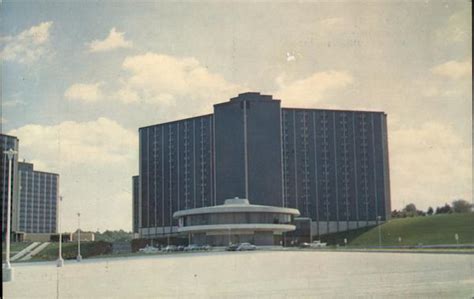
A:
(428, 230)
(69, 250)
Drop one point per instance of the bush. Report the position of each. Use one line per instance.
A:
(461, 206)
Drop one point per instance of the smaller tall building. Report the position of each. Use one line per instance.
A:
(6, 143)
(37, 198)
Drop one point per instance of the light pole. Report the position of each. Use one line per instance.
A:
(8, 270)
(380, 232)
(79, 257)
(60, 261)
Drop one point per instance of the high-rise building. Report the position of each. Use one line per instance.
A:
(332, 165)
(6, 143)
(38, 197)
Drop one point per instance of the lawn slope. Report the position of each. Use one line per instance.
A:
(428, 230)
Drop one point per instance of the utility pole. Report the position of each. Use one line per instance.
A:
(7, 273)
(79, 257)
(380, 231)
(60, 261)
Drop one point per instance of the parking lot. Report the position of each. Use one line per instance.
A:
(251, 274)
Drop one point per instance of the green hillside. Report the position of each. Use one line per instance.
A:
(428, 230)
(69, 250)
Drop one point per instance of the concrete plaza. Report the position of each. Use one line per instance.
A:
(260, 274)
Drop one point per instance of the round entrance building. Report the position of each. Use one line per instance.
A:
(236, 221)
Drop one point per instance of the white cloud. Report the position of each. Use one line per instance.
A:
(456, 29)
(95, 160)
(114, 40)
(29, 45)
(13, 103)
(127, 95)
(102, 141)
(84, 92)
(454, 69)
(429, 164)
(161, 80)
(310, 90)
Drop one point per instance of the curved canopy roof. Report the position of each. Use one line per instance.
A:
(235, 205)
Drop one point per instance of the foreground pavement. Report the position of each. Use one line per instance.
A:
(261, 274)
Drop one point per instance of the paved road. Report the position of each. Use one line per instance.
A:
(265, 274)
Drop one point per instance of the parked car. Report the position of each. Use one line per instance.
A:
(192, 247)
(180, 248)
(170, 248)
(246, 246)
(317, 244)
(148, 249)
(232, 247)
(206, 247)
(305, 245)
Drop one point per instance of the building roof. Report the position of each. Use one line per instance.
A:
(257, 96)
(235, 205)
(10, 136)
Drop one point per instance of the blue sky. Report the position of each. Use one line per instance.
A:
(80, 78)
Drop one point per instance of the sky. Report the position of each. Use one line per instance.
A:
(80, 77)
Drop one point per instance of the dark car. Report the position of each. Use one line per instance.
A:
(232, 247)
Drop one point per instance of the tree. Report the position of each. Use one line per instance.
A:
(461, 206)
(430, 211)
(410, 210)
(113, 236)
(396, 214)
(446, 209)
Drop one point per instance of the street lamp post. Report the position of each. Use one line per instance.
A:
(60, 261)
(8, 270)
(79, 257)
(380, 232)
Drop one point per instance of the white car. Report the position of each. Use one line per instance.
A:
(246, 246)
(317, 244)
(148, 249)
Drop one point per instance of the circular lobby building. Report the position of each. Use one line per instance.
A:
(236, 221)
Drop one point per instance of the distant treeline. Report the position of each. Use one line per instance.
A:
(113, 236)
(457, 206)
